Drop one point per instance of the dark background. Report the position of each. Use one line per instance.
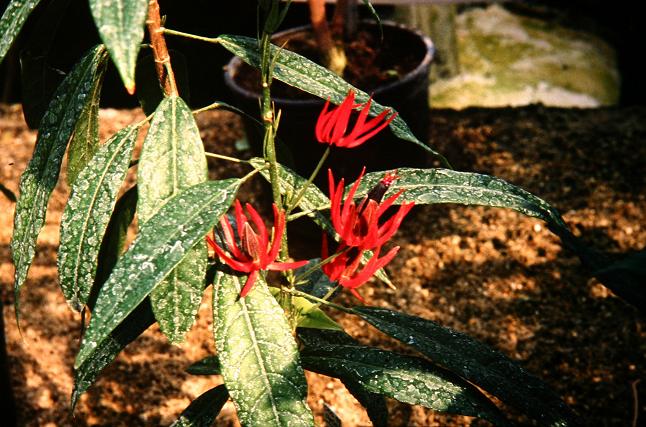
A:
(617, 23)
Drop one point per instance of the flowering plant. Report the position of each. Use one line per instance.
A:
(162, 275)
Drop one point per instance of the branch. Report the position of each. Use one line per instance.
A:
(160, 51)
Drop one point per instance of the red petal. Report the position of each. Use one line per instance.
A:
(244, 266)
(320, 123)
(249, 283)
(260, 226)
(279, 228)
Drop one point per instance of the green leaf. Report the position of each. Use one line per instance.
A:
(300, 72)
(429, 186)
(475, 362)
(121, 27)
(40, 176)
(374, 14)
(87, 214)
(309, 315)
(405, 378)
(162, 243)
(172, 159)
(109, 346)
(114, 238)
(375, 404)
(38, 78)
(12, 21)
(203, 410)
(85, 139)
(259, 357)
(210, 365)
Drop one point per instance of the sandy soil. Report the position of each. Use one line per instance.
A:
(491, 273)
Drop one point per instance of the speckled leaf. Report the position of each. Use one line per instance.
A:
(162, 243)
(204, 409)
(109, 347)
(375, 404)
(87, 214)
(428, 186)
(210, 365)
(312, 202)
(12, 21)
(40, 177)
(114, 238)
(173, 159)
(85, 139)
(259, 356)
(475, 362)
(121, 27)
(405, 378)
(300, 72)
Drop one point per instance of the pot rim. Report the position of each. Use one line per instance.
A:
(236, 61)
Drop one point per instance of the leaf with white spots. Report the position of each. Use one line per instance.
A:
(204, 409)
(86, 216)
(85, 139)
(300, 72)
(375, 404)
(114, 238)
(474, 361)
(429, 186)
(405, 378)
(39, 178)
(163, 241)
(173, 159)
(121, 27)
(258, 354)
(107, 348)
(12, 21)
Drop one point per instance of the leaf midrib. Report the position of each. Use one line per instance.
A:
(82, 244)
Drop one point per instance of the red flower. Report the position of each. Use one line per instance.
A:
(255, 253)
(344, 268)
(359, 225)
(360, 230)
(331, 126)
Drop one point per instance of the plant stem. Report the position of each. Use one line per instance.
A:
(223, 157)
(170, 32)
(160, 51)
(267, 115)
(301, 193)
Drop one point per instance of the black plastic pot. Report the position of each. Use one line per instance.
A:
(408, 95)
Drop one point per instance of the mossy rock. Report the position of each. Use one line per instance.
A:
(506, 59)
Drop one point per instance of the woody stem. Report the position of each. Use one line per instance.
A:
(160, 51)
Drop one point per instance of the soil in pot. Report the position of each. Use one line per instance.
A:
(393, 69)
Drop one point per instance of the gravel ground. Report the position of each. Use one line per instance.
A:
(492, 273)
